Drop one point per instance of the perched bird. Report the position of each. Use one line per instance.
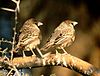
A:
(29, 37)
(63, 36)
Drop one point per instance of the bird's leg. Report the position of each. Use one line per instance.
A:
(33, 52)
(24, 54)
(39, 52)
(64, 50)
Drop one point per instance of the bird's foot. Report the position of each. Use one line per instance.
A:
(47, 54)
(65, 52)
(33, 54)
(40, 53)
(24, 54)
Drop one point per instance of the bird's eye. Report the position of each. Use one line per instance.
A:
(72, 23)
(60, 34)
(36, 23)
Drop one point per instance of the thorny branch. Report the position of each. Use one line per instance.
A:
(5, 41)
(16, 11)
(64, 60)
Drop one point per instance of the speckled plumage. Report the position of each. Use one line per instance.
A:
(29, 36)
(63, 36)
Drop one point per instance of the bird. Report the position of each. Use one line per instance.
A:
(63, 36)
(29, 37)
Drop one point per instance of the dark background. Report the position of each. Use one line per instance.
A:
(51, 13)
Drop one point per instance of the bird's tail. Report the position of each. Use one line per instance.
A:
(17, 48)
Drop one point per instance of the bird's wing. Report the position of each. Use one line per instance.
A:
(29, 30)
(54, 35)
(50, 42)
(63, 36)
(61, 39)
(25, 38)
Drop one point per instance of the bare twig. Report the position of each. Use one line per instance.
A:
(17, 2)
(5, 41)
(13, 43)
(16, 11)
(17, 72)
(4, 53)
(7, 9)
(9, 72)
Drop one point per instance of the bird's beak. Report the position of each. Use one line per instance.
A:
(75, 23)
(40, 23)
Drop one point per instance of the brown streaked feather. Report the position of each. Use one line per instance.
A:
(62, 36)
(29, 35)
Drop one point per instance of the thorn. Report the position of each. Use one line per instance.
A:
(14, 28)
(14, 1)
(6, 58)
(0, 49)
(7, 9)
(58, 56)
(30, 67)
(2, 39)
(15, 33)
(17, 2)
(53, 75)
(17, 72)
(44, 62)
(53, 63)
(9, 72)
(58, 61)
(5, 50)
(64, 62)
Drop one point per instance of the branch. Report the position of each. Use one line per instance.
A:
(5, 41)
(16, 11)
(65, 60)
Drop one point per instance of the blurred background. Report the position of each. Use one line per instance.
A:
(52, 13)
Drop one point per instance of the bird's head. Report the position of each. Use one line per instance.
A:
(34, 21)
(74, 23)
(39, 23)
(71, 22)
